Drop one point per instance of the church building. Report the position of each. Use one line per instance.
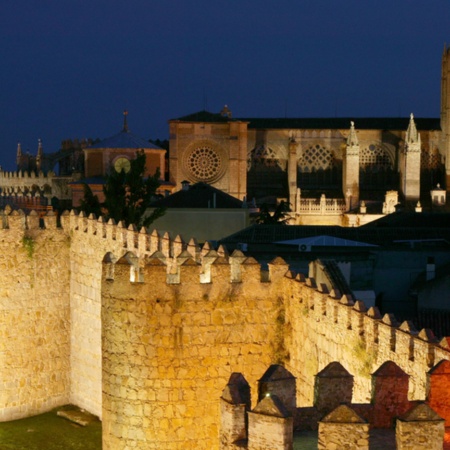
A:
(281, 158)
(335, 165)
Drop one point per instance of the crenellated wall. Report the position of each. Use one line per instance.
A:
(183, 339)
(329, 327)
(22, 183)
(34, 316)
(165, 323)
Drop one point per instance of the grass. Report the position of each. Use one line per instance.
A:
(49, 432)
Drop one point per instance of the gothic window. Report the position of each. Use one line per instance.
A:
(263, 157)
(315, 158)
(430, 160)
(374, 156)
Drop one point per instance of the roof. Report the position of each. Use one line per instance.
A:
(327, 241)
(412, 220)
(265, 234)
(124, 139)
(362, 123)
(204, 116)
(199, 195)
(313, 123)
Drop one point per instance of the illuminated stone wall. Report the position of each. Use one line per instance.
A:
(165, 324)
(327, 327)
(34, 316)
(169, 348)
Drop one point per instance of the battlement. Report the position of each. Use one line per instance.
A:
(153, 326)
(24, 175)
(377, 333)
(340, 423)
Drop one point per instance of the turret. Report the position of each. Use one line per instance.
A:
(350, 169)
(19, 155)
(410, 164)
(39, 156)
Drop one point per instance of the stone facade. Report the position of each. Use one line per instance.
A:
(165, 324)
(212, 153)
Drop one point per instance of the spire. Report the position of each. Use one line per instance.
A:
(19, 154)
(125, 123)
(352, 139)
(39, 156)
(412, 135)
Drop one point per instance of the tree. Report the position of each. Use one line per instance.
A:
(127, 195)
(279, 216)
(90, 203)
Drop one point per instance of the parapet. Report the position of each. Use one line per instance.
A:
(345, 425)
(17, 220)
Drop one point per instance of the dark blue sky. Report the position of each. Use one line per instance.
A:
(70, 67)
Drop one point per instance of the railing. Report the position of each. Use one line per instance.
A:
(322, 206)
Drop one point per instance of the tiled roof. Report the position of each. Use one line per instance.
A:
(362, 123)
(269, 234)
(203, 116)
(318, 123)
(412, 220)
(199, 195)
(124, 139)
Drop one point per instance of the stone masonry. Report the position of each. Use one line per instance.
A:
(165, 324)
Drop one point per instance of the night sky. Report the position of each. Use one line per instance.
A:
(70, 67)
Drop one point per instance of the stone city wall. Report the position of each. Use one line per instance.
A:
(21, 183)
(91, 239)
(15, 182)
(325, 327)
(170, 347)
(170, 322)
(34, 316)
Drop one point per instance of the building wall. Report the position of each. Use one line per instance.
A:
(223, 164)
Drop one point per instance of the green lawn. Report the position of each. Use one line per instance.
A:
(49, 432)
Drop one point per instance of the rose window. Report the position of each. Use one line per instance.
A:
(204, 163)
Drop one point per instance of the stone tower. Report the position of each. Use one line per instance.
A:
(350, 168)
(445, 112)
(410, 163)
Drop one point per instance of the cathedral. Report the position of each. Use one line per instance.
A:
(348, 161)
(282, 158)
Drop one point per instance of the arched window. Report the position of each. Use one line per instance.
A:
(375, 157)
(316, 158)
